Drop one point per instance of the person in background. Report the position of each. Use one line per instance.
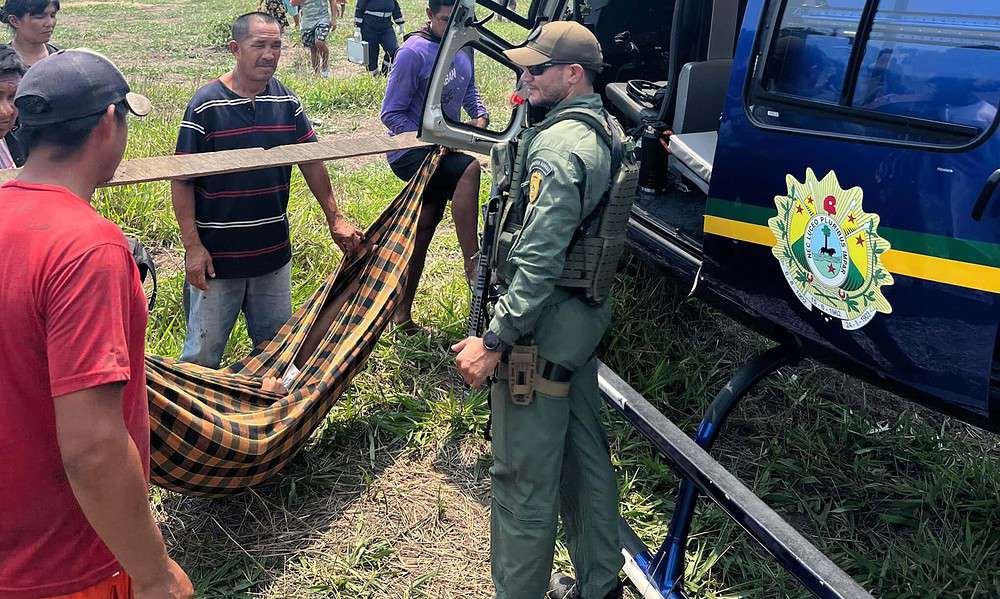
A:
(75, 518)
(234, 227)
(317, 23)
(373, 23)
(11, 71)
(276, 9)
(33, 22)
(457, 177)
(292, 8)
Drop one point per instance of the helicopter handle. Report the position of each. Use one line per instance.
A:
(986, 195)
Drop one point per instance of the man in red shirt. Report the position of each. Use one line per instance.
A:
(74, 431)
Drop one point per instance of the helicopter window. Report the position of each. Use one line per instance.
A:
(933, 61)
(812, 49)
(923, 72)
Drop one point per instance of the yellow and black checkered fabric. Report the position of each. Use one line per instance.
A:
(216, 432)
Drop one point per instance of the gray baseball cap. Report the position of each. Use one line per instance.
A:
(72, 84)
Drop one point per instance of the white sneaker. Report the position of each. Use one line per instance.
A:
(325, 74)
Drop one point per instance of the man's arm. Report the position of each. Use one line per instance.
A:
(474, 106)
(359, 12)
(473, 102)
(197, 260)
(106, 475)
(344, 233)
(191, 140)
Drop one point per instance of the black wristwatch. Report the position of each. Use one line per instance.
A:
(492, 342)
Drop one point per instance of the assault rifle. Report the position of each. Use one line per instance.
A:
(481, 293)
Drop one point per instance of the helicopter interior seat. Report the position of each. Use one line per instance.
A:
(631, 32)
(701, 93)
(700, 30)
(617, 94)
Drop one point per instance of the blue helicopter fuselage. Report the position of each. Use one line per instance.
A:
(857, 140)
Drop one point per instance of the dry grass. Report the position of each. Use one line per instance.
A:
(357, 515)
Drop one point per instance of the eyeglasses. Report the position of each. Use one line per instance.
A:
(538, 69)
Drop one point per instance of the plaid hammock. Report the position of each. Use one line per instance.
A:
(217, 432)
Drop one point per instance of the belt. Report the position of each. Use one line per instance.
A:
(553, 371)
(378, 14)
(552, 379)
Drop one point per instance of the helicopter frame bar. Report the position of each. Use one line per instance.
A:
(660, 575)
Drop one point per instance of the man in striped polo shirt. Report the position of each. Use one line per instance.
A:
(235, 227)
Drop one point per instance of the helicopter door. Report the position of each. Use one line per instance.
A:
(853, 200)
(495, 77)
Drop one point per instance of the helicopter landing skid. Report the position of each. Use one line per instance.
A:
(660, 575)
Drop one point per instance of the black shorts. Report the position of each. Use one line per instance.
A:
(442, 185)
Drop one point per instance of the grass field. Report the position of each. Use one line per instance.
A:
(391, 498)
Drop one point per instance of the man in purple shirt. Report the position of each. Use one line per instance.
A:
(457, 176)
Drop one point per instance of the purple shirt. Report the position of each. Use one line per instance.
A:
(406, 89)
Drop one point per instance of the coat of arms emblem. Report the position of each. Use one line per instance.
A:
(830, 251)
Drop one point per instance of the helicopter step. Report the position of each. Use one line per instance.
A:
(660, 574)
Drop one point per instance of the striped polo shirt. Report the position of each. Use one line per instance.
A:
(242, 217)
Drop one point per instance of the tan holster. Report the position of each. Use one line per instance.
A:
(522, 371)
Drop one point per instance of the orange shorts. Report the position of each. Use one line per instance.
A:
(118, 586)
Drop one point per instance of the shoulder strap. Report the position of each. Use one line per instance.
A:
(602, 127)
(611, 134)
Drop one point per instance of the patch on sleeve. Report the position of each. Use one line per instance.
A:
(542, 165)
(534, 185)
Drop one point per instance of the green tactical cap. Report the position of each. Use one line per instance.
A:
(564, 42)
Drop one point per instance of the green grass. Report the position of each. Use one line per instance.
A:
(905, 500)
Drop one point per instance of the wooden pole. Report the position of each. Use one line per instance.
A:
(189, 166)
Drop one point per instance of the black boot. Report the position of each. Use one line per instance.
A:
(563, 586)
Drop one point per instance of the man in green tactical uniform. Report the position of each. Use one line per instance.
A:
(549, 447)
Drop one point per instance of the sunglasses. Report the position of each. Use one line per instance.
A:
(538, 69)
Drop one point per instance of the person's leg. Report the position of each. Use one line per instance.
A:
(314, 57)
(324, 58)
(390, 44)
(386, 65)
(268, 303)
(370, 33)
(431, 211)
(589, 492)
(528, 449)
(465, 211)
(323, 49)
(307, 42)
(211, 315)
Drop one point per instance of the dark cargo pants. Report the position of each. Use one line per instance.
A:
(550, 458)
(379, 34)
